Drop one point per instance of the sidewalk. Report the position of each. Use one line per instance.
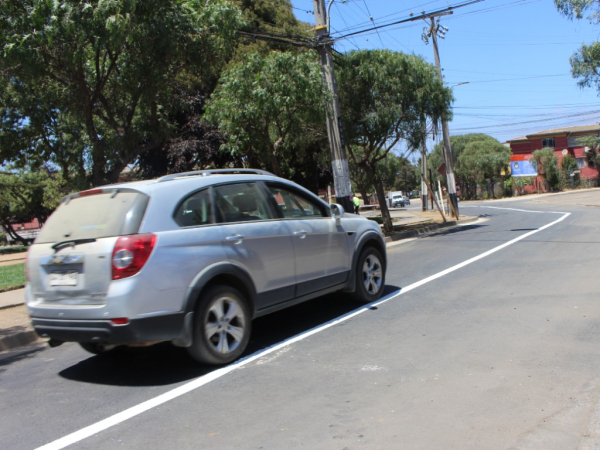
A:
(15, 326)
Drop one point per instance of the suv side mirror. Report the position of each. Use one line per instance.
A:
(337, 211)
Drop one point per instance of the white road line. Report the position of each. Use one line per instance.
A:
(205, 379)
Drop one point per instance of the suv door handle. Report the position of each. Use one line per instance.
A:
(236, 237)
(301, 234)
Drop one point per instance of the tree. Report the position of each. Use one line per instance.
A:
(547, 162)
(408, 177)
(388, 170)
(26, 195)
(88, 84)
(266, 104)
(592, 154)
(479, 157)
(384, 96)
(585, 63)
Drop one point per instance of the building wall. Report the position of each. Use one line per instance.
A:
(525, 149)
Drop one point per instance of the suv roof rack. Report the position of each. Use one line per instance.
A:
(205, 173)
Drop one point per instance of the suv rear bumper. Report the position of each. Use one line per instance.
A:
(166, 327)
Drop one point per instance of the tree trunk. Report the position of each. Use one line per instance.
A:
(365, 195)
(385, 212)
(12, 233)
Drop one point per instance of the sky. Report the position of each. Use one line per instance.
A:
(514, 55)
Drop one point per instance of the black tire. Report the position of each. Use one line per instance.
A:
(96, 348)
(370, 275)
(222, 326)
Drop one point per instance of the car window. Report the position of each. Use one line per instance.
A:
(294, 205)
(240, 202)
(195, 210)
(111, 213)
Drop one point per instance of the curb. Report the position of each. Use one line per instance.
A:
(428, 229)
(19, 339)
(11, 305)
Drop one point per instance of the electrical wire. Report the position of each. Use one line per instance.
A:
(412, 19)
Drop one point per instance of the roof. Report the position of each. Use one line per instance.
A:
(594, 128)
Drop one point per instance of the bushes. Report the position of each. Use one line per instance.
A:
(15, 249)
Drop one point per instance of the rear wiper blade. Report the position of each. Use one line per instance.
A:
(72, 242)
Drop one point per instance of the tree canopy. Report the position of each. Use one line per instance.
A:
(88, 85)
(267, 104)
(585, 63)
(479, 157)
(385, 97)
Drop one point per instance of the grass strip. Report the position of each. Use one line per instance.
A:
(12, 277)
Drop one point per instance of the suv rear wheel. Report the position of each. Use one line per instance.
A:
(96, 348)
(370, 275)
(222, 326)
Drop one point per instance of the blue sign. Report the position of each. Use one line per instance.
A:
(523, 169)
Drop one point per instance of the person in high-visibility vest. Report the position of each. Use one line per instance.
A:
(356, 202)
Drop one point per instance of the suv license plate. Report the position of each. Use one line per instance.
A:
(64, 278)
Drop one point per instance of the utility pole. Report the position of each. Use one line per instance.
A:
(432, 33)
(424, 168)
(339, 160)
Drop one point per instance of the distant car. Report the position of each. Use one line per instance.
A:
(399, 201)
(191, 259)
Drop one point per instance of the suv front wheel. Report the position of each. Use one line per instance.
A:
(222, 326)
(370, 275)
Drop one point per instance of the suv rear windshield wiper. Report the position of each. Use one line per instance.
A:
(72, 242)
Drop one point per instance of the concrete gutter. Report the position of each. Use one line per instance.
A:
(426, 229)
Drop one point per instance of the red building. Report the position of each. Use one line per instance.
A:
(563, 141)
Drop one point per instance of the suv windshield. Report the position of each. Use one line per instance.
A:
(112, 213)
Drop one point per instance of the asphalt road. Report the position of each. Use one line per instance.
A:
(487, 339)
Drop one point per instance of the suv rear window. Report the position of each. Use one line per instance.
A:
(113, 213)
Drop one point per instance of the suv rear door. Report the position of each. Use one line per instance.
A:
(70, 260)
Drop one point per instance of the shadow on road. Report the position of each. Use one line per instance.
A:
(164, 364)
(456, 230)
(18, 355)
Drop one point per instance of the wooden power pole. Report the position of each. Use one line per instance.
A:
(339, 160)
(432, 33)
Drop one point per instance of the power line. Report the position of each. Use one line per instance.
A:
(529, 121)
(412, 19)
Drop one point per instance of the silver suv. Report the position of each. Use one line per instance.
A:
(192, 258)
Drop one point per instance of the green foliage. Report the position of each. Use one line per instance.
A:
(592, 155)
(88, 86)
(28, 195)
(585, 64)
(568, 163)
(408, 176)
(547, 165)
(479, 157)
(269, 104)
(385, 96)
(12, 277)
(13, 249)
(575, 9)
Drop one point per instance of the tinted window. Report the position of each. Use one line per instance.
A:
(240, 202)
(113, 213)
(195, 210)
(294, 205)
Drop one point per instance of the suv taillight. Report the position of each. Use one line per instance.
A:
(130, 254)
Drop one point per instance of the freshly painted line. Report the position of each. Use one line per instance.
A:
(403, 241)
(205, 379)
(515, 209)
